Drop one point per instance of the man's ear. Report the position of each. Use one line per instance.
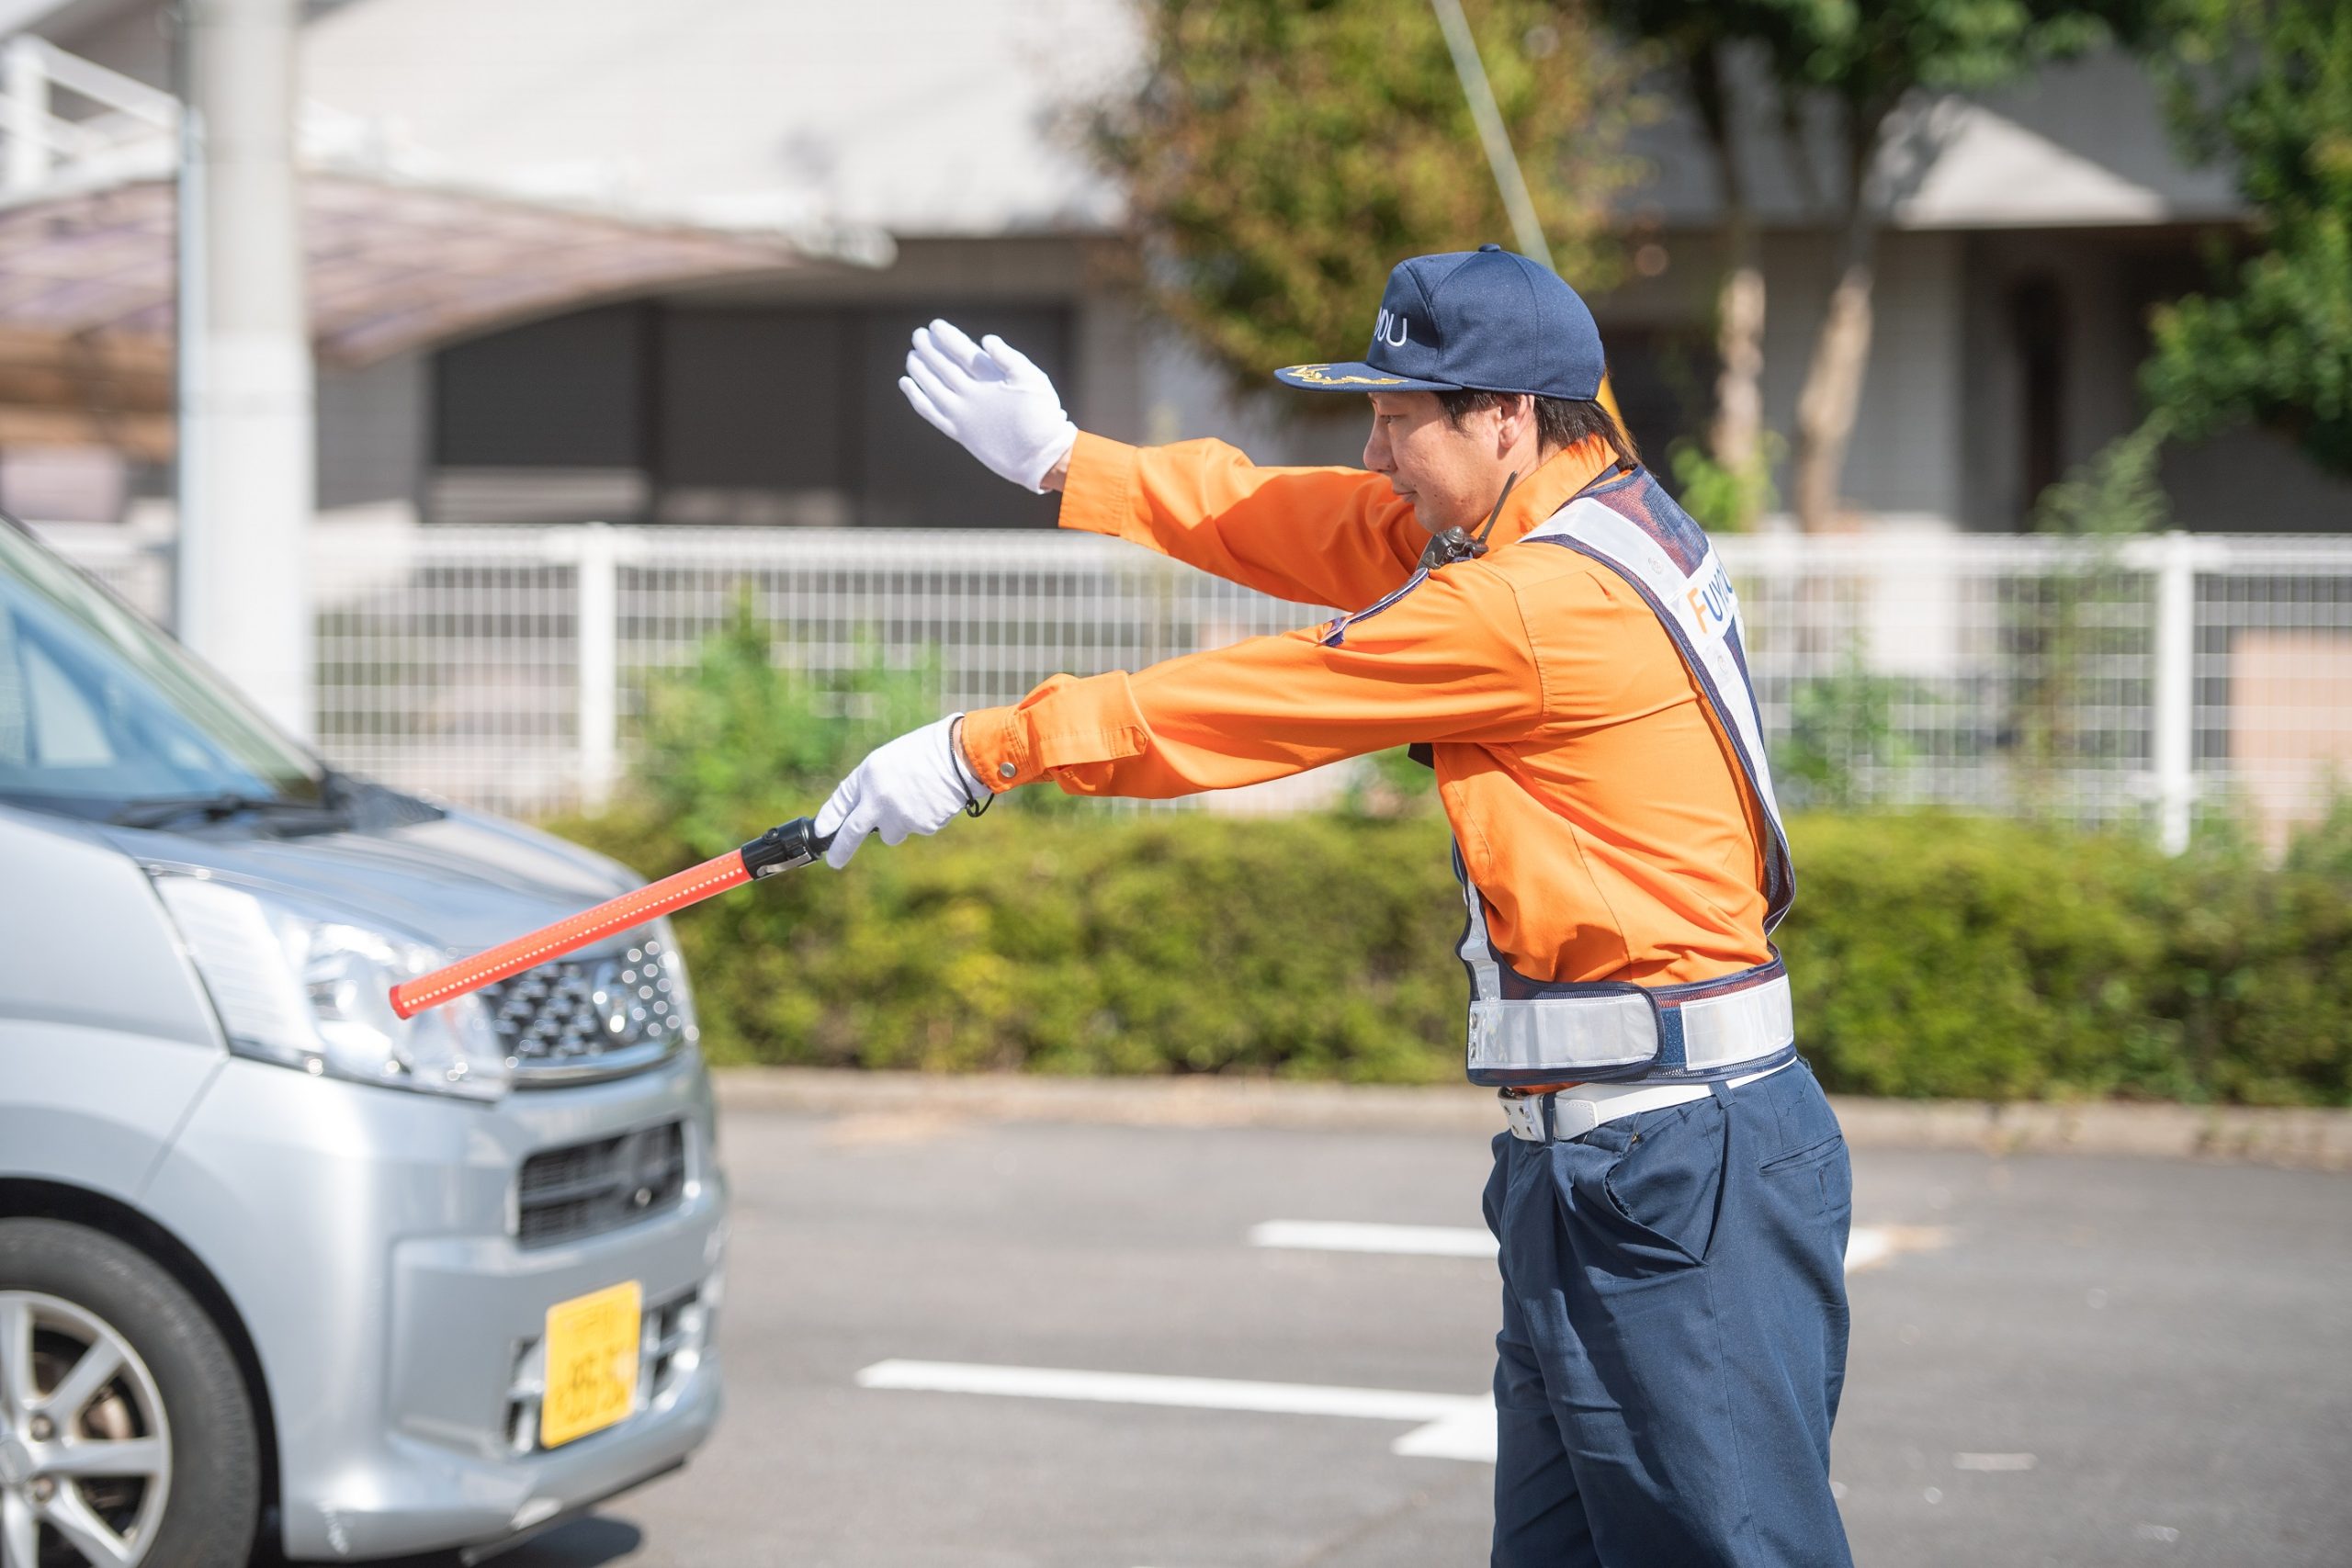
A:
(1515, 416)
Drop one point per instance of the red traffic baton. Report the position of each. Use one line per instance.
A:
(796, 843)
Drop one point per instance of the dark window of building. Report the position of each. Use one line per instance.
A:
(2038, 318)
(556, 394)
(543, 423)
(711, 415)
(751, 421)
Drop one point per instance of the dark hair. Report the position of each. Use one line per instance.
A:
(1559, 421)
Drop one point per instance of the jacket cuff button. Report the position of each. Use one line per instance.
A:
(1006, 771)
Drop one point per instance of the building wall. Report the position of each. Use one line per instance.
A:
(2245, 480)
(1907, 456)
(1945, 431)
(133, 38)
(372, 427)
(2106, 282)
(918, 115)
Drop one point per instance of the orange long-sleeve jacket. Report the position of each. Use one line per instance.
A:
(1598, 806)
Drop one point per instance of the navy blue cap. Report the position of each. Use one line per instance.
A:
(1488, 319)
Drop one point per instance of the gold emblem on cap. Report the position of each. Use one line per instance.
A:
(1319, 375)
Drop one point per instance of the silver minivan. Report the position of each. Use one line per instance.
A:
(278, 1269)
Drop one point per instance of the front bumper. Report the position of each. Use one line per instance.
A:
(366, 1238)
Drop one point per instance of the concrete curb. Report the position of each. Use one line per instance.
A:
(2312, 1140)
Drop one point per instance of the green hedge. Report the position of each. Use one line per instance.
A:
(1933, 955)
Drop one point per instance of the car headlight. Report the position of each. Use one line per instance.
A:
(312, 989)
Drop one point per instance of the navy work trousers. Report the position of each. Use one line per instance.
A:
(1674, 1335)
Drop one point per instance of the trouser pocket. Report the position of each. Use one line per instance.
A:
(1651, 1184)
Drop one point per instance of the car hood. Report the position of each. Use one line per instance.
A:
(463, 882)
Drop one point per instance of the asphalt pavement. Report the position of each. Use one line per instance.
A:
(1001, 1345)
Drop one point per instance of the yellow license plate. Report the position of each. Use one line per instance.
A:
(592, 1344)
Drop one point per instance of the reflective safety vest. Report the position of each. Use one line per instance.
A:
(1533, 1032)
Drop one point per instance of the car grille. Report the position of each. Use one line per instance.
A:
(585, 1189)
(595, 1015)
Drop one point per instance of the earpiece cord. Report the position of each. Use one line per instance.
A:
(1495, 515)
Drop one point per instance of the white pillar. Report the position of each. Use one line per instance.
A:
(598, 664)
(2174, 721)
(28, 125)
(246, 484)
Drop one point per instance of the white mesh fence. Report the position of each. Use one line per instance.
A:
(2138, 679)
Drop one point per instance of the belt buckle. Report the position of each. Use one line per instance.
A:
(1525, 1114)
(1552, 1118)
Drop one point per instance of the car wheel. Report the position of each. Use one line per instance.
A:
(125, 1433)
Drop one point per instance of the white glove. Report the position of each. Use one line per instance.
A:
(990, 398)
(913, 784)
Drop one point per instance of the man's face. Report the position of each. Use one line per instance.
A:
(1450, 476)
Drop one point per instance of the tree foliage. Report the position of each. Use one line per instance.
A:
(1282, 155)
(1878, 64)
(1860, 80)
(2267, 84)
(1869, 55)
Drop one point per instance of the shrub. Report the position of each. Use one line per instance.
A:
(1942, 955)
(1932, 955)
(739, 727)
(1309, 947)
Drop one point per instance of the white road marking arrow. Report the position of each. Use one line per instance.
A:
(1450, 1426)
(1446, 1425)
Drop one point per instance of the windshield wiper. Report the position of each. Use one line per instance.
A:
(166, 809)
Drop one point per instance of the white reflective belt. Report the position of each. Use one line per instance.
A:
(1617, 1029)
(1611, 1029)
(1579, 1111)
(1737, 1025)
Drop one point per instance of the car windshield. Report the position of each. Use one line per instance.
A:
(101, 715)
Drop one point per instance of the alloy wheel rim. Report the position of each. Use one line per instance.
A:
(86, 1450)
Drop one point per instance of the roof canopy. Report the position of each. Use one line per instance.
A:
(86, 286)
(391, 267)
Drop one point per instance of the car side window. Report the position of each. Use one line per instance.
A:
(64, 726)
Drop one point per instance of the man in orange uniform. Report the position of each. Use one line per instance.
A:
(1672, 1195)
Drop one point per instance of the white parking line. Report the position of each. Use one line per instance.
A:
(1449, 1426)
(1993, 1461)
(1869, 1247)
(1349, 1235)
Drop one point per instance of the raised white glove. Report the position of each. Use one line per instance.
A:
(990, 398)
(913, 784)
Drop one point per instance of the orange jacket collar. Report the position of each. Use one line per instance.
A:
(1539, 494)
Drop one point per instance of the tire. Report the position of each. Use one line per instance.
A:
(195, 1500)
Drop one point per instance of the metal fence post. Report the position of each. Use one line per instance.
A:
(597, 566)
(2175, 720)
